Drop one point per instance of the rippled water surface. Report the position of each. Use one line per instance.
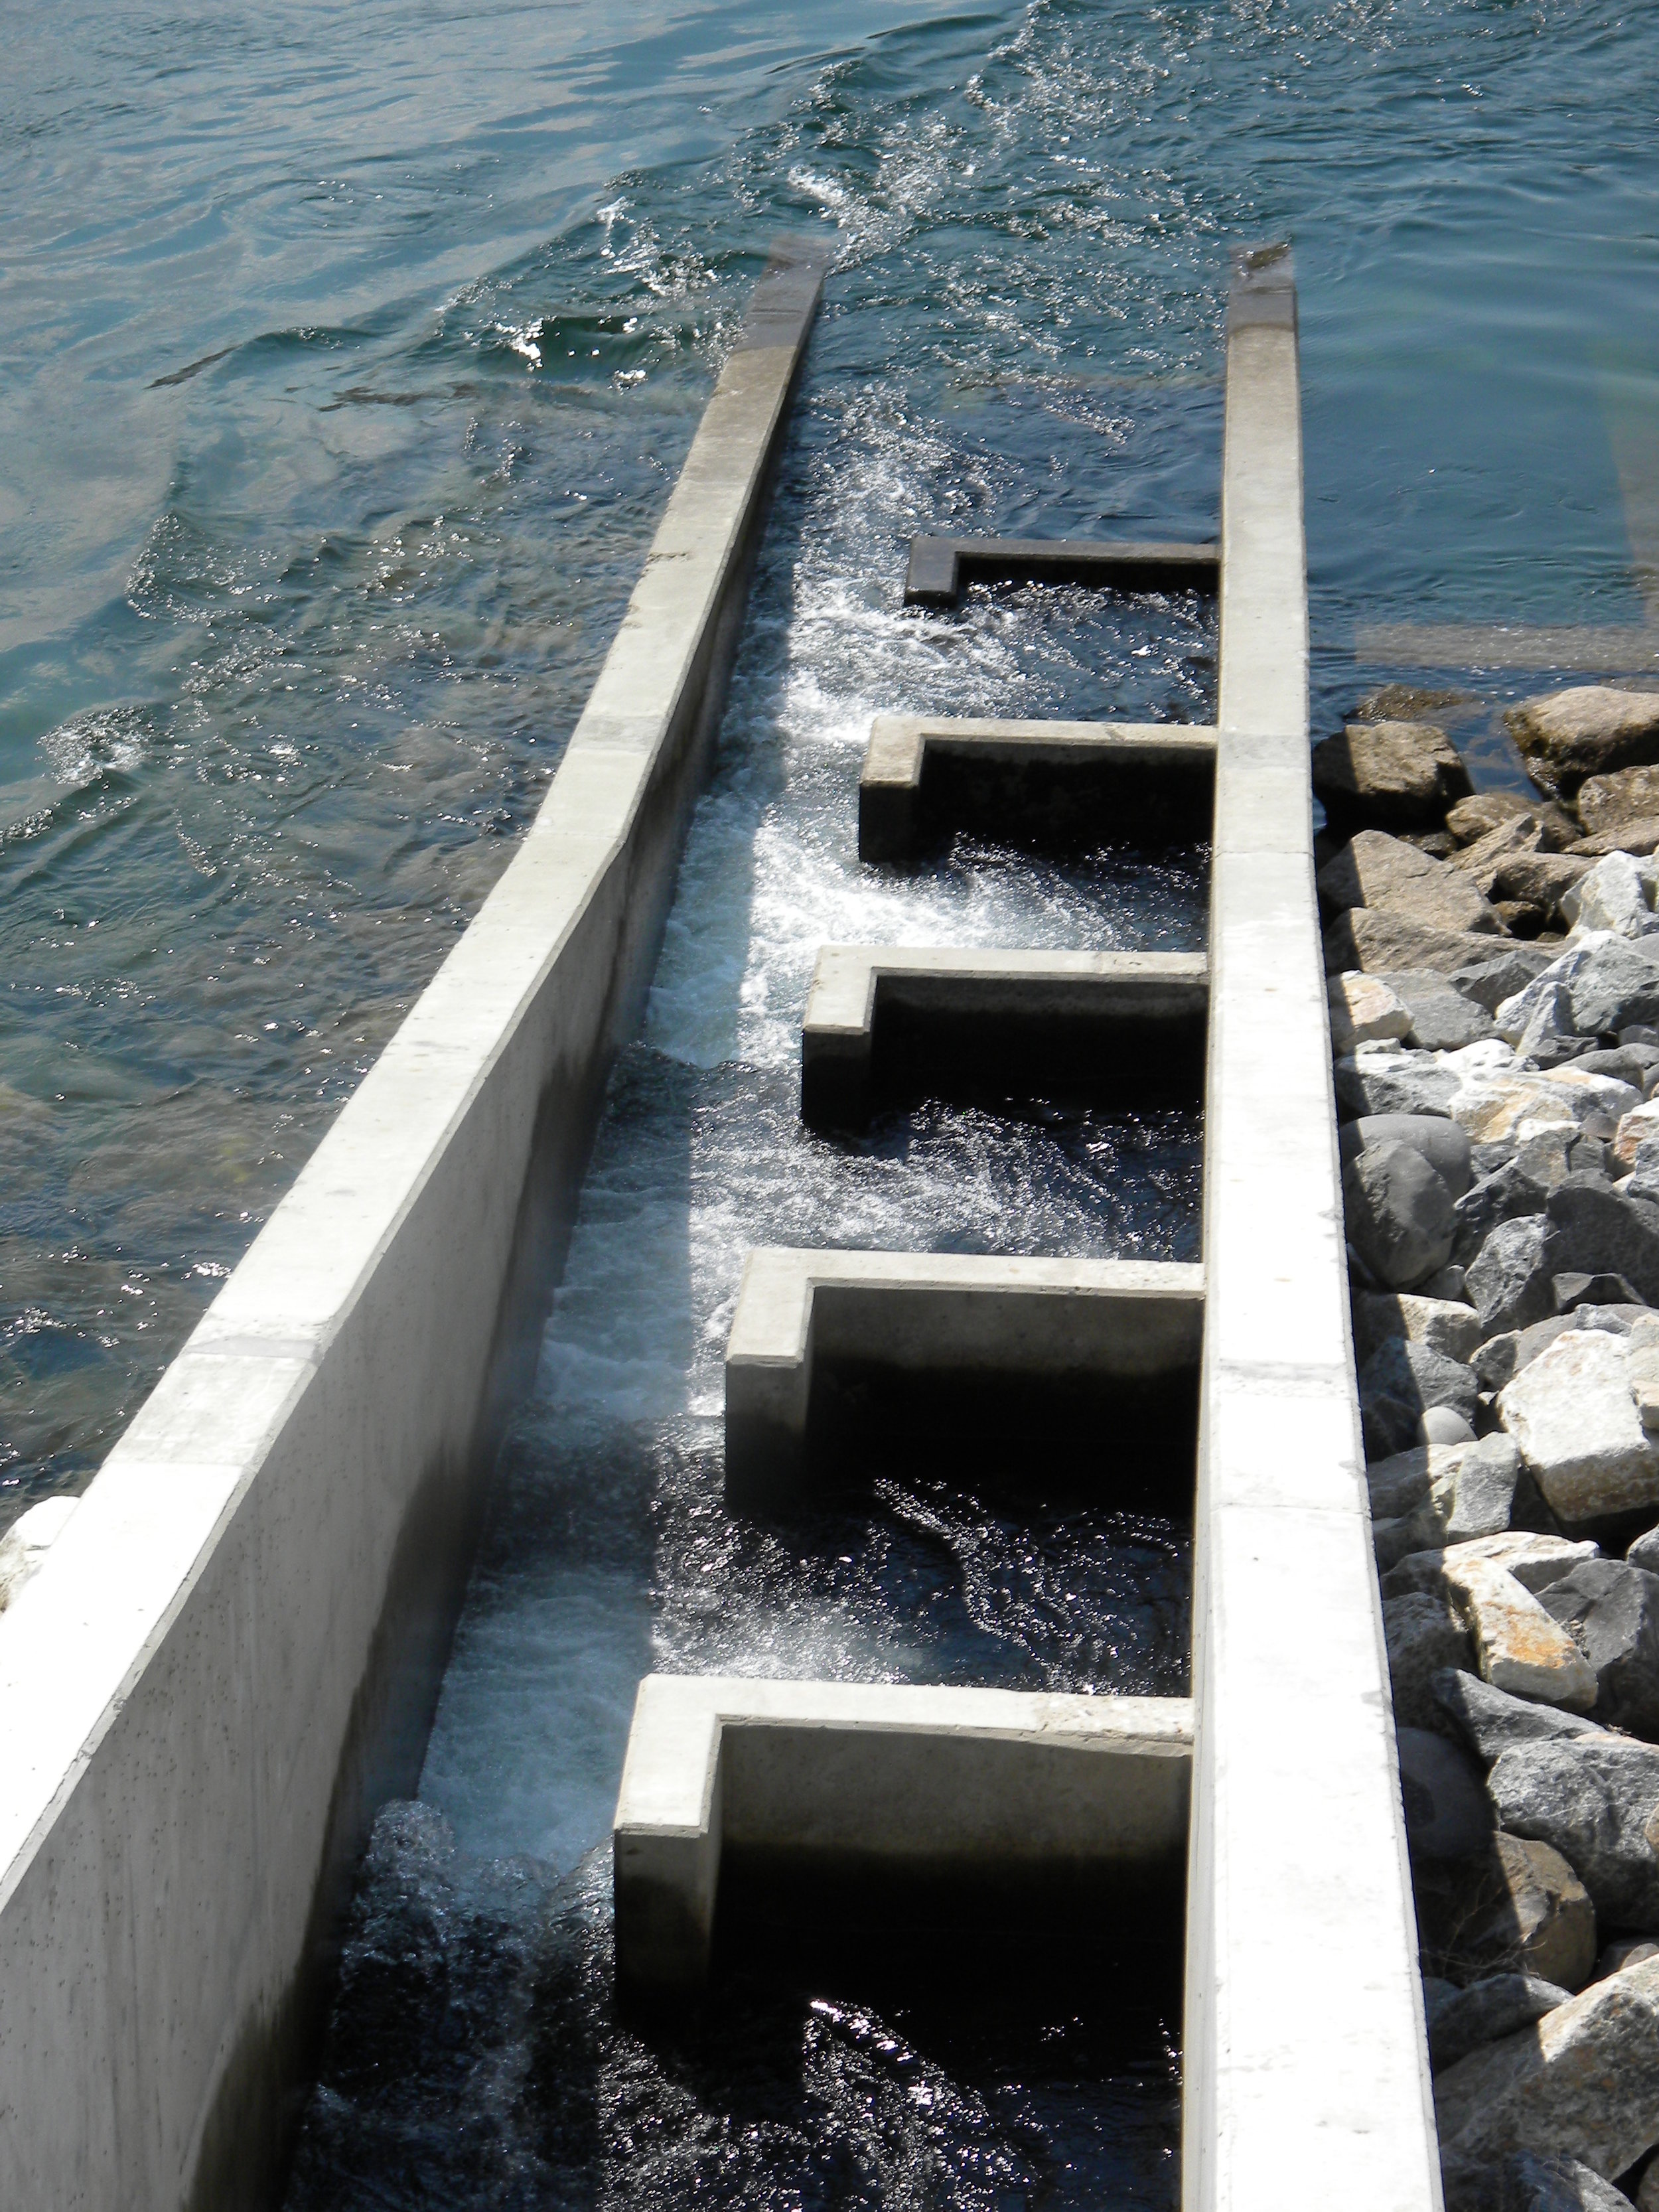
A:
(349, 356)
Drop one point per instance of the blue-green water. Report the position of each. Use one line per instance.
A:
(349, 355)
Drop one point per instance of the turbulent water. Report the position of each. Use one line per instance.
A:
(349, 355)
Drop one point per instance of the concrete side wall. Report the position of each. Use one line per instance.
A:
(230, 1656)
(1306, 2070)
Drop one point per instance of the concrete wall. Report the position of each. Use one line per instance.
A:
(230, 1656)
(902, 1782)
(1306, 2072)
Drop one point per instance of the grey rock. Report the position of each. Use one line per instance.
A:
(1611, 1610)
(1511, 1277)
(1397, 1385)
(1513, 1906)
(1443, 1019)
(1439, 1424)
(1441, 1143)
(1397, 774)
(1491, 1722)
(1544, 1157)
(1400, 1481)
(1444, 1325)
(1599, 1230)
(1534, 2183)
(1471, 1494)
(1490, 982)
(1424, 1638)
(1540, 879)
(1500, 1358)
(1575, 1293)
(1582, 2084)
(1374, 1080)
(1390, 877)
(1644, 1553)
(1451, 1284)
(1494, 2006)
(1595, 1799)
(1399, 1215)
(1590, 730)
(1508, 1195)
(1624, 1951)
(1611, 982)
(1475, 817)
(1628, 794)
(1551, 1034)
(1625, 1063)
(1447, 1815)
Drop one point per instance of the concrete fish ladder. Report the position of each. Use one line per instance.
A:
(228, 1658)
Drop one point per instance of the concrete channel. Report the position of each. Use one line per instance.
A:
(244, 1622)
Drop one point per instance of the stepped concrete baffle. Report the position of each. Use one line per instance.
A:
(835, 1356)
(940, 566)
(739, 1798)
(890, 1022)
(1132, 780)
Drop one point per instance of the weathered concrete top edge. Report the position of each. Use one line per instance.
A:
(746, 1700)
(787, 297)
(1263, 290)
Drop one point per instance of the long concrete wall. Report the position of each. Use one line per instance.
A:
(1305, 2065)
(230, 1656)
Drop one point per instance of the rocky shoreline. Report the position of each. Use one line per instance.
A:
(1493, 971)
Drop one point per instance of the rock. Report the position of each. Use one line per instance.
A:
(1613, 894)
(1450, 1287)
(1595, 1799)
(1388, 876)
(1573, 1415)
(1363, 1009)
(1647, 2191)
(1384, 1078)
(1596, 1229)
(1613, 983)
(1604, 802)
(1640, 835)
(1551, 1034)
(1574, 1292)
(1631, 1063)
(1399, 1215)
(1398, 774)
(1441, 1143)
(1511, 1279)
(1516, 1906)
(1471, 1495)
(1535, 1560)
(1510, 1195)
(1491, 1722)
(1583, 2084)
(1475, 817)
(1644, 1553)
(1506, 840)
(29, 1540)
(1634, 1128)
(1442, 1424)
(1498, 975)
(1540, 879)
(1598, 1103)
(1517, 1646)
(1447, 1813)
(1441, 1019)
(1611, 1610)
(1591, 730)
(1380, 942)
(1425, 1637)
(1400, 1382)
(1529, 2182)
(1624, 1951)
(1451, 1329)
(1402, 1479)
(1494, 2006)
(1520, 916)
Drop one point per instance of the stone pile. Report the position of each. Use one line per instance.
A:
(1494, 1000)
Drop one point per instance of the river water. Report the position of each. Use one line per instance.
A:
(349, 356)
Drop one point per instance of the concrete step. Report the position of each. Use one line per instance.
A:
(940, 566)
(895, 1020)
(889, 1793)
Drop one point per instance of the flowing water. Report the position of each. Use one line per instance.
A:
(348, 357)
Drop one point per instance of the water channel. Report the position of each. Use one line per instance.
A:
(290, 638)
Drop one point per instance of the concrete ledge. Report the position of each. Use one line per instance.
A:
(228, 1658)
(1125, 1025)
(798, 1780)
(939, 567)
(1128, 760)
(962, 1317)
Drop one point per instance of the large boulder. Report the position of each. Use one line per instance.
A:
(1590, 730)
(1612, 984)
(1595, 1799)
(1444, 1325)
(1473, 1496)
(1508, 1194)
(1363, 1010)
(1513, 1906)
(1528, 2181)
(1398, 1213)
(1573, 1414)
(1629, 794)
(1485, 2010)
(1400, 776)
(1448, 1814)
(1611, 1610)
(1399, 1383)
(1511, 1279)
(1441, 1019)
(1388, 876)
(1441, 1143)
(1533, 1558)
(1615, 893)
(1505, 840)
(1385, 1078)
(1540, 879)
(1380, 942)
(1597, 1230)
(1491, 1722)
(1517, 1645)
(1583, 2083)
(1498, 972)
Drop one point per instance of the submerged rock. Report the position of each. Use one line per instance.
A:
(1591, 729)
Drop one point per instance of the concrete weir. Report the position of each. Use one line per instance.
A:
(1305, 2065)
(228, 1659)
